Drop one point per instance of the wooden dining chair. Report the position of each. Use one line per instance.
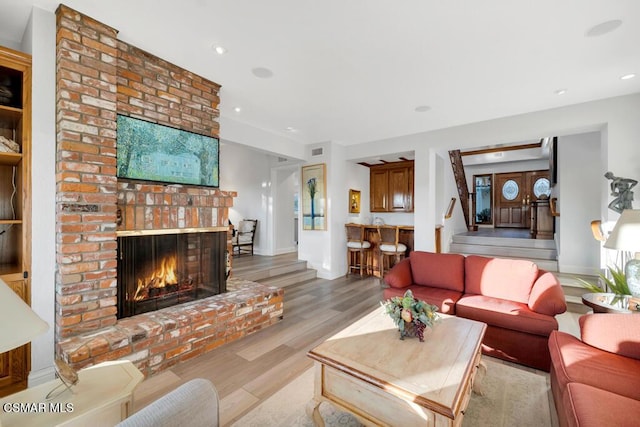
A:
(358, 250)
(390, 248)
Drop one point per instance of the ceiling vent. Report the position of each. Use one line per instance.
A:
(282, 159)
(317, 151)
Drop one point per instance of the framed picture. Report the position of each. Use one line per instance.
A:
(354, 201)
(314, 197)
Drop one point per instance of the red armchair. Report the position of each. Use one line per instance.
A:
(595, 380)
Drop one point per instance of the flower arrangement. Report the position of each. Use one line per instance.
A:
(411, 316)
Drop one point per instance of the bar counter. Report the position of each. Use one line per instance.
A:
(371, 235)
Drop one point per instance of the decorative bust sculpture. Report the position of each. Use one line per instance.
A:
(621, 190)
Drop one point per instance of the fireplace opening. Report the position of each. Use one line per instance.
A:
(158, 271)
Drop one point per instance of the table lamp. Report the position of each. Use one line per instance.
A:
(625, 236)
(20, 323)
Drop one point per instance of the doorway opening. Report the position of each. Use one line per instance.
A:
(483, 199)
(515, 193)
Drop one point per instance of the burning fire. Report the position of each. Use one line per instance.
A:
(164, 276)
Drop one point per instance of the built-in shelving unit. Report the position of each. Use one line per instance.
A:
(15, 200)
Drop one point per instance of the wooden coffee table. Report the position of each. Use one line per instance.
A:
(368, 371)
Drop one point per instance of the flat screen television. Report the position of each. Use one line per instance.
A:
(153, 152)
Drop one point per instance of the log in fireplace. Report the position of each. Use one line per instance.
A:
(169, 268)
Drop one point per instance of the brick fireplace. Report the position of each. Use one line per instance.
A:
(163, 268)
(99, 77)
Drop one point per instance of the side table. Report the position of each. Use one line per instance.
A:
(608, 303)
(103, 396)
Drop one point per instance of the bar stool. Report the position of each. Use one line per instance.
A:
(390, 246)
(358, 249)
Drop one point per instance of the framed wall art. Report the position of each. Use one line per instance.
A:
(314, 197)
(354, 201)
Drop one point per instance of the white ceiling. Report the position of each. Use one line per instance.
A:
(353, 71)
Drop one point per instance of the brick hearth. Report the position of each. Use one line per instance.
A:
(158, 340)
(99, 77)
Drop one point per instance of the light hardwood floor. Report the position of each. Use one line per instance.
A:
(250, 370)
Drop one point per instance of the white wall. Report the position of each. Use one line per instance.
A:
(39, 40)
(233, 130)
(579, 202)
(285, 184)
(358, 179)
(315, 246)
(247, 171)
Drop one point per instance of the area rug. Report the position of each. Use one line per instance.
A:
(512, 396)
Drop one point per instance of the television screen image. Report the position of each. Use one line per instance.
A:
(152, 152)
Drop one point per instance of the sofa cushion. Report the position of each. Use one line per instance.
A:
(574, 361)
(444, 299)
(400, 275)
(444, 271)
(547, 296)
(505, 314)
(614, 332)
(587, 406)
(509, 279)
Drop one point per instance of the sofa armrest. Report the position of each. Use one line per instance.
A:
(400, 275)
(547, 296)
(193, 404)
(613, 332)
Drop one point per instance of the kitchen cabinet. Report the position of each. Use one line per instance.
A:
(391, 187)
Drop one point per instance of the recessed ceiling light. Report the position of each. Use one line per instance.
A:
(627, 76)
(603, 28)
(237, 109)
(422, 108)
(560, 91)
(261, 72)
(220, 50)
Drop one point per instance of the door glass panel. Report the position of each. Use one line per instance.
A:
(482, 188)
(510, 190)
(541, 187)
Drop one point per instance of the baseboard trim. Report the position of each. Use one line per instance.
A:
(578, 269)
(286, 250)
(41, 376)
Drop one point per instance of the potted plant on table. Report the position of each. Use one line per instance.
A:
(410, 315)
(617, 284)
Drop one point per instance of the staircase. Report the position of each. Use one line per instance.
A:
(542, 252)
(573, 290)
(281, 270)
(461, 182)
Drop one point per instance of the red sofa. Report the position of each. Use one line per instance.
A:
(595, 380)
(516, 300)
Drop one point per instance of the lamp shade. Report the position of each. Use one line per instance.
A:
(19, 323)
(625, 235)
